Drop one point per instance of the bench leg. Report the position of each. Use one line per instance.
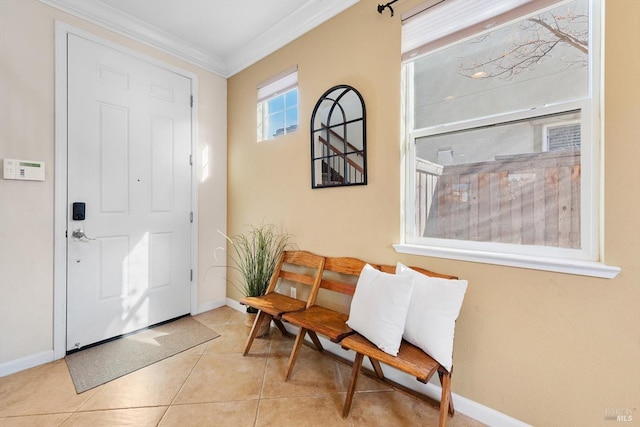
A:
(316, 341)
(377, 368)
(451, 408)
(294, 352)
(254, 330)
(280, 326)
(357, 364)
(445, 401)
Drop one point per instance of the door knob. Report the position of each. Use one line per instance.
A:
(78, 233)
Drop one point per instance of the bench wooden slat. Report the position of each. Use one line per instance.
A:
(410, 359)
(392, 270)
(303, 258)
(297, 277)
(344, 265)
(335, 286)
(274, 303)
(321, 320)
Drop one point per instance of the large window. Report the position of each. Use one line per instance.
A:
(278, 105)
(502, 133)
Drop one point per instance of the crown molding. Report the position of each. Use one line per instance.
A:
(304, 19)
(301, 21)
(112, 19)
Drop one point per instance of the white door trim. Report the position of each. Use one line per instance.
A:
(60, 177)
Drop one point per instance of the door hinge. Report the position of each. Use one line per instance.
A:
(191, 276)
(191, 217)
(191, 101)
(191, 159)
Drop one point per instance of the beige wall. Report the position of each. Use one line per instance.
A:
(546, 348)
(26, 208)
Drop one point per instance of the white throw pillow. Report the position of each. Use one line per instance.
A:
(433, 310)
(379, 308)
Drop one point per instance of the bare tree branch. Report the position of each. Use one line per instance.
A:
(547, 31)
(581, 45)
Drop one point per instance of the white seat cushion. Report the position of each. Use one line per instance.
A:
(433, 310)
(379, 308)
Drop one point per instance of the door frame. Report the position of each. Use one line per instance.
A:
(60, 176)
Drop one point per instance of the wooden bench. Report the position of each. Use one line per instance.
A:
(316, 319)
(410, 359)
(304, 268)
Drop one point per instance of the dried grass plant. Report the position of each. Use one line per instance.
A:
(255, 255)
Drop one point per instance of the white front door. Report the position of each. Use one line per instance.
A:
(129, 147)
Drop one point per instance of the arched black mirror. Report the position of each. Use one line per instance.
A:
(338, 139)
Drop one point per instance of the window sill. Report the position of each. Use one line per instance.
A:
(583, 268)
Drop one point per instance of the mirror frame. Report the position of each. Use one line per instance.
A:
(331, 99)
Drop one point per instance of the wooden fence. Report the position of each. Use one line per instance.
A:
(529, 199)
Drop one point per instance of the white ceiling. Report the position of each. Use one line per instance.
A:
(223, 36)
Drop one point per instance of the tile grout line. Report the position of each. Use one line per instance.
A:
(264, 377)
(183, 383)
(44, 414)
(66, 419)
(336, 366)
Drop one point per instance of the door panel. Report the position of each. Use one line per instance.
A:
(113, 126)
(129, 146)
(161, 164)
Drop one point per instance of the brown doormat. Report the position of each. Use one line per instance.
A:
(97, 365)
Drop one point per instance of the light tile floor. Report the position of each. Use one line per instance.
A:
(214, 385)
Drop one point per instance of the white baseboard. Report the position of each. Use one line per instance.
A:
(484, 414)
(465, 406)
(26, 362)
(236, 305)
(211, 306)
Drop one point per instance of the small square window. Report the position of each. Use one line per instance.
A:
(563, 136)
(277, 109)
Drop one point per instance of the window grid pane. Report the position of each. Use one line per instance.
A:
(523, 65)
(512, 192)
(280, 115)
(509, 169)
